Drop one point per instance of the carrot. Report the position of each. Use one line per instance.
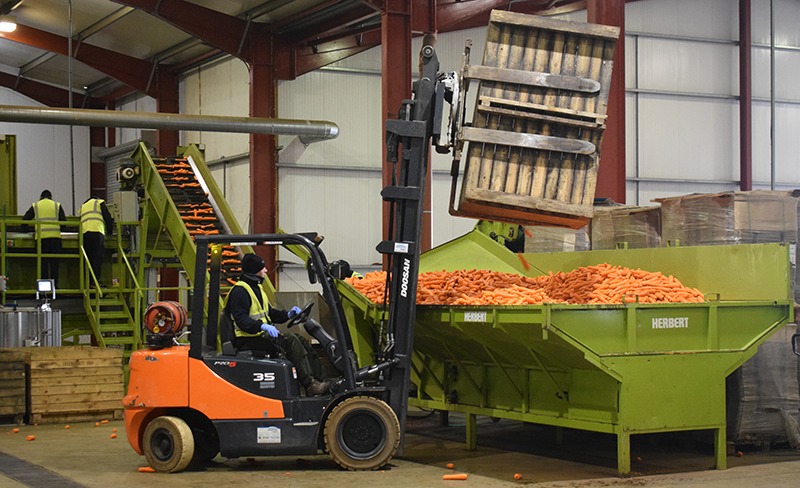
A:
(455, 477)
(599, 284)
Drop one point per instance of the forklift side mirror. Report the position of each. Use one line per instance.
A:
(796, 344)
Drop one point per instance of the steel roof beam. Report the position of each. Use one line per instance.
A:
(226, 32)
(127, 69)
(49, 95)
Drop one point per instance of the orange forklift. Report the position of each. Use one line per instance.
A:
(190, 402)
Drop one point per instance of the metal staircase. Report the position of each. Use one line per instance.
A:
(111, 320)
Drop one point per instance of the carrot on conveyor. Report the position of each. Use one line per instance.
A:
(455, 477)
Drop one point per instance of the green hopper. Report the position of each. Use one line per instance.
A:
(620, 369)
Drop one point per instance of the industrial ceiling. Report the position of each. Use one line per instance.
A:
(119, 47)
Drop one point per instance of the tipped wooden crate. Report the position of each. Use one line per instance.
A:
(12, 386)
(533, 145)
(74, 384)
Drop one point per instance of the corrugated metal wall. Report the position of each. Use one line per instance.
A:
(681, 121)
(43, 158)
(682, 103)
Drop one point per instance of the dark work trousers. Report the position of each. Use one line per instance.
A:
(94, 244)
(50, 245)
(295, 348)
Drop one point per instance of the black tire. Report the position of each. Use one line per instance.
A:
(168, 444)
(206, 444)
(362, 433)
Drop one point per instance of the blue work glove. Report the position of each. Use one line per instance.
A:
(294, 311)
(270, 329)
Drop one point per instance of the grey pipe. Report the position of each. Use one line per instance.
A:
(307, 130)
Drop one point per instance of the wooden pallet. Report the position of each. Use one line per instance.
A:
(12, 386)
(533, 147)
(70, 384)
(67, 417)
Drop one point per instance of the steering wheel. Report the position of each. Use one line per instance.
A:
(302, 316)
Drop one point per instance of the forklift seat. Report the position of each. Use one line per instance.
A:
(227, 333)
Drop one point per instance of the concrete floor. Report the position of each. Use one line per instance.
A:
(87, 455)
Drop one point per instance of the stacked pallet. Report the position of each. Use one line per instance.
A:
(73, 384)
(12, 386)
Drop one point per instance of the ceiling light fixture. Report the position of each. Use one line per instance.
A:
(8, 23)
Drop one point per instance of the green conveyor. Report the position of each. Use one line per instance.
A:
(619, 369)
(164, 213)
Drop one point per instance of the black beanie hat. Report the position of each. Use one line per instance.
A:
(252, 264)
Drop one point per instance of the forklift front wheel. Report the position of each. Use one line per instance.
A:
(362, 433)
(168, 444)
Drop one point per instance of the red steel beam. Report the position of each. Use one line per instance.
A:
(263, 152)
(47, 94)
(225, 32)
(167, 101)
(127, 69)
(396, 81)
(611, 174)
(745, 97)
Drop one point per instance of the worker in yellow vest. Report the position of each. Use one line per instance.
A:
(96, 223)
(253, 317)
(48, 213)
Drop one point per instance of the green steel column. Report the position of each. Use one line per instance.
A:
(472, 431)
(720, 448)
(623, 452)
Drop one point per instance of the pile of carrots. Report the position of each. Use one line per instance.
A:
(600, 284)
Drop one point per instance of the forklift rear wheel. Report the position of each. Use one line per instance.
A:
(362, 433)
(168, 444)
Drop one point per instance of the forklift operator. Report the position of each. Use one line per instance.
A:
(253, 317)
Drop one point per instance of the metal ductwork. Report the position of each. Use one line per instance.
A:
(308, 131)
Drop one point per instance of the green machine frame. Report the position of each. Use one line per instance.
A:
(619, 369)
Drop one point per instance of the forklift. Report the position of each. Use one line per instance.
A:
(191, 402)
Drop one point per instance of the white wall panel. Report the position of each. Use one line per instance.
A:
(43, 158)
(786, 14)
(686, 66)
(787, 72)
(787, 158)
(137, 104)
(233, 178)
(687, 138)
(343, 206)
(715, 19)
(221, 88)
(351, 100)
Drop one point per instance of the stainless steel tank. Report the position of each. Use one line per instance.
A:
(29, 326)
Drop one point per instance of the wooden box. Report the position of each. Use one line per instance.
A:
(12, 386)
(73, 384)
(533, 145)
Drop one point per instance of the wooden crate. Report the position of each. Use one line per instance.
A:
(76, 383)
(12, 386)
(533, 146)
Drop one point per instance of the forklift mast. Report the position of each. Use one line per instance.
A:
(408, 143)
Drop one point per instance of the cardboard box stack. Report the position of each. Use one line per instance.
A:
(541, 238)
(762, 403)
(621, 226)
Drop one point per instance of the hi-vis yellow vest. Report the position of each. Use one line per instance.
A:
(257, 311)
(92, 217)
(46, 210)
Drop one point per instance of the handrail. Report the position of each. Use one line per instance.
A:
(91, 272)
(137, 289)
